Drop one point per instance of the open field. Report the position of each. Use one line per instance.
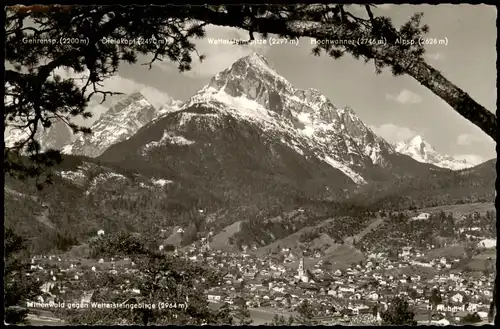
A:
(175, 239)
(291, 241)
(485, 254)
(341, 256)
(322, 241)
(40, 321)
(259, 316)
(221, 240)
(77, 252)
(43, 318)
(344, 254)
(480, 262)
(262, 316)
(425, 272)
(449, 251)
(460, 209)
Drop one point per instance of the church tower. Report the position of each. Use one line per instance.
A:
(301, 268)
(205, 244)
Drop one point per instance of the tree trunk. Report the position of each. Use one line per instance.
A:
(493, 308)
(387, 53)
(454, 96)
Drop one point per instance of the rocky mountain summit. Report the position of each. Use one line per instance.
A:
(53, 137)
(117, 124)
(422, 151)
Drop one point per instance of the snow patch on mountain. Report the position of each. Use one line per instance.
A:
(72, 174)
(296, 146)
(100, 175)
(186, 117)
(161, 182)
(68, 149)
(310, 126)
(422, 151)
(164, 110)
(345, 169)
(77, 177)
(244, 106)
(179, 140)
(103, 178)
(167, 138)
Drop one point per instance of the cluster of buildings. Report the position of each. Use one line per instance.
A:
(354, 291)
(355, 294)
(63, 280)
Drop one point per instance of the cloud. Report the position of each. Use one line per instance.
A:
(115, 83)
(468, 139)
(435, 56)
(405, 97)
(359, 10)
(393, 133)
(470, 158)
(218, 56)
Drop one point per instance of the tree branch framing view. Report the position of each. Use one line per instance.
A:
(59, 61)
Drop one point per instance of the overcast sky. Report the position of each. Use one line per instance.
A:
(396, 108)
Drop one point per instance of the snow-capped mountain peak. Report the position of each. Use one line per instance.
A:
(122, 120)
(54, 137)
(260, 64)
(252, 90)
(418, 147)
(422, 151)
(419, 141)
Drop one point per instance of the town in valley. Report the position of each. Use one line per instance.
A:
(340, 290)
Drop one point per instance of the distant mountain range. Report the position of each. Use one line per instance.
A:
(248, 146)
(122, 119)
(422, 151)
(54, 137)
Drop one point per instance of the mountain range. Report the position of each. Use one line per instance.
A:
(248, 145)
(249, 118)
(251, 91)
